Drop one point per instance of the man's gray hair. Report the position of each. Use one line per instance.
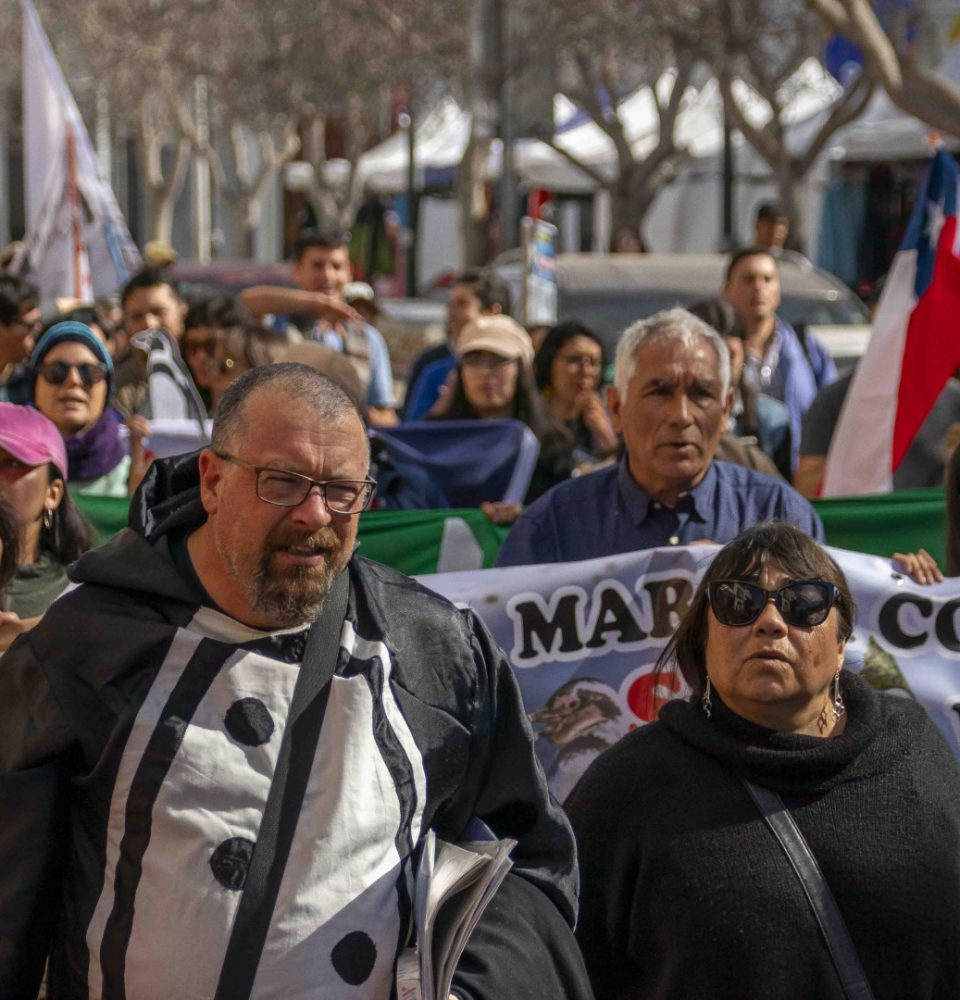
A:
(670, 324)
(320, 392)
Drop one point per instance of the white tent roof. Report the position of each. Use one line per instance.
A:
(442, 136)
(882, 132)
(440, 141)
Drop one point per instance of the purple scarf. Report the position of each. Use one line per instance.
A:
(94, 452)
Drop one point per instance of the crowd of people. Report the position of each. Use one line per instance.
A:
(224, 733)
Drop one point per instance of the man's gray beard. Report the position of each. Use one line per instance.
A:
(294, 596)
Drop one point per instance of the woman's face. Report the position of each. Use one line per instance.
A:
(489, 382)
(576, 368)
(224, 367)
(29, 493)
(201, 347)
(771, 672)
(76, 403)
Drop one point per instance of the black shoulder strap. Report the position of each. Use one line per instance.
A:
(824, 906)
(294, 763)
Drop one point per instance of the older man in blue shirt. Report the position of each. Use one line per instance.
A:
(670, 401)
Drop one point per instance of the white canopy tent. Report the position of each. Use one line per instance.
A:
(686, 214)
(442, 136)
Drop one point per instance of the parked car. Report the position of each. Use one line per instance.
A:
(608, 292)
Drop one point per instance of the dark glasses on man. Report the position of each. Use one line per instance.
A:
(803, 603)
(57, 372)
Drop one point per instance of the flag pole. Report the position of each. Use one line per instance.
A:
(76, 229)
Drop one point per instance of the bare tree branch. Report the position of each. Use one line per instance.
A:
(911, 87)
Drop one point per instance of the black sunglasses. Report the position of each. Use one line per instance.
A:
(57, 372)
(803, 603)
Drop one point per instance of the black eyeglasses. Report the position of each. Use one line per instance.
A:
(57, 372)
(290, 489)
(581, 361)
(489, 363)
(803, 603)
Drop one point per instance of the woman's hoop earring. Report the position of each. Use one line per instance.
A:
(705, 702)
(48, 519)
(838, 706)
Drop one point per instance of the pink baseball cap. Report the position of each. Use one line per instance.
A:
(30, 437)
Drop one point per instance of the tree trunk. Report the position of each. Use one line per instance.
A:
(790, 191)
(471, 196)
(161, 214)
(631, 196)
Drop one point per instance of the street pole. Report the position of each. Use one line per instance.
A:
(201, 174)
(728, 238)
(508, 179)
(412, 207)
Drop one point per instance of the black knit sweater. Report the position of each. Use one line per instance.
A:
(687, 894)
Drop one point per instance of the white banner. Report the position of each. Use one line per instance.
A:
(583, 639)
(78, 245)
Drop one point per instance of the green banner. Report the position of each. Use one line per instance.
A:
(888, 522)
(438, 541)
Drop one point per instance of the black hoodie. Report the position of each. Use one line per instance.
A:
(138, 732)
(688, 894)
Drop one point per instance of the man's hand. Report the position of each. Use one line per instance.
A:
(594, 416)
(501, 512)
(920, 566)
(140, 458)
(11, 625)
(330, 309)
(382, 416)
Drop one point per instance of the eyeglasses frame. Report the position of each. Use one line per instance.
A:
(773, 595)
(87, 383)
(321, 485)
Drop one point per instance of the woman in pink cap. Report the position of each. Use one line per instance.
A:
(52, 532)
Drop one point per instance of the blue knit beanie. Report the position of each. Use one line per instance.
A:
(70, 330)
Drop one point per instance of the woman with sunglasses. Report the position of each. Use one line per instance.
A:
(72, 384)
(568, 368)
(686, 891)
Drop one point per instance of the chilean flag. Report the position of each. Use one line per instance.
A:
(914, 347)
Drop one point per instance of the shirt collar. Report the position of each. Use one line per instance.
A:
(699, 501)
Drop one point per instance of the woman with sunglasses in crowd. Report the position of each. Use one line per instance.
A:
(51, 532)
(568, 369)
(72, 384)
(686, 888)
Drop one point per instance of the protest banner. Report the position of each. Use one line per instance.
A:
(440, 541)
(584, 638)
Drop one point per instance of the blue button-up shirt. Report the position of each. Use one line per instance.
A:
(607, 512)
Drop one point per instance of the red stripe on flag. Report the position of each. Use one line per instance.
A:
(931, 353)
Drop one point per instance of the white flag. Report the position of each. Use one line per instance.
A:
(78, 245)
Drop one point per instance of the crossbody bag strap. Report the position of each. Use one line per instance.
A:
(285, 799)
(839, 943)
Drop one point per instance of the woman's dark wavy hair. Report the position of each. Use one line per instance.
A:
(70, 534)
(10, 539)
(556, 337)
(773, 542)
